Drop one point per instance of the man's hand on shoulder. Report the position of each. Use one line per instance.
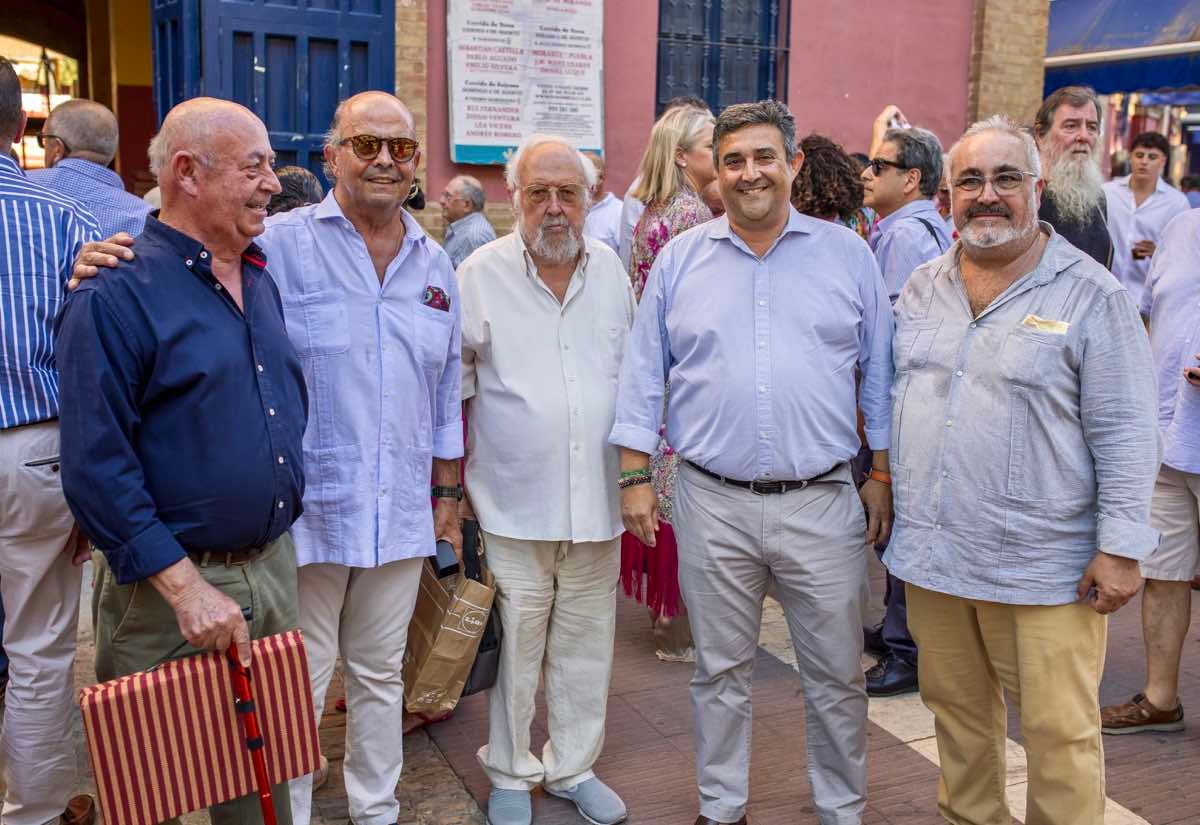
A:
(1109, 581)
(207, 618)
(95, 254)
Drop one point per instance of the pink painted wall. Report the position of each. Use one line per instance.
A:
(630, 58)
(844, 67)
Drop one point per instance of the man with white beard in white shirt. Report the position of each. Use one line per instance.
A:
(546, 312)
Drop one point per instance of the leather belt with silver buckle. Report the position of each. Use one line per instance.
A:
(769, 488)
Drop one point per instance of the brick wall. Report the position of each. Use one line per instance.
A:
(1008, 50)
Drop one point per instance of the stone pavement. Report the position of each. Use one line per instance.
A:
(648, 753)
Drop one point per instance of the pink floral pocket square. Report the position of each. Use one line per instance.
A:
(436, 298)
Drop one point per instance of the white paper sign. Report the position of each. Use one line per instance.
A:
(523, 66)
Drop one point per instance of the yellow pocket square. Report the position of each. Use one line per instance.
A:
(1046, 324)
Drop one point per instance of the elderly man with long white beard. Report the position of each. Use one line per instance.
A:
(545, 315)
(1067, 131)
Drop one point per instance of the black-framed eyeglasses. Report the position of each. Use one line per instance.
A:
(367, 147)
(876, 165)
(1009, 180)
(42, 138)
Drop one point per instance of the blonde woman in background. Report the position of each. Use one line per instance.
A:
(676, 168)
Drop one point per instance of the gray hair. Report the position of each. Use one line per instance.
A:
(1077, 96)
(1002, 124)
(178, 135)
(586, 169)
(85, 126)
(471, 190)
(768, 112)
(333, 137)
(919, 149)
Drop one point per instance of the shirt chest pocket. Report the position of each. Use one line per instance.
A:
(1032, 358)
(913, 344)
(608, 340)
(431, 334)
(318, 324)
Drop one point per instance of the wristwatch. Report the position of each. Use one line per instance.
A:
(454, 492)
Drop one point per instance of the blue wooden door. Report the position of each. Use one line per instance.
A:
(288, 61)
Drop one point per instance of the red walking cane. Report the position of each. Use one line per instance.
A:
(243, 703)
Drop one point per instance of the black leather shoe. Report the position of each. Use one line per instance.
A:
(704, 820)
(891, 677)
(873, 642)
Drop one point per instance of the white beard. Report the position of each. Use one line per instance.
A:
(556, 251)
(981, 237)
(1076, 186)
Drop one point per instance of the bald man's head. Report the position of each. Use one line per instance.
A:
(372, 154)
(355, 107)
(87, 129)
(197, 126)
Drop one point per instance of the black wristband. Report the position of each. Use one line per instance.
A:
(455, 492)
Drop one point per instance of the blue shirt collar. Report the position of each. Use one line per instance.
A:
(7, 164)
(719, 228)
(95, 171)
(329, 208)
(1058, 256)
(921, 207)
(187, 247)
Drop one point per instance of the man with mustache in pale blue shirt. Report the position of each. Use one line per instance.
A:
(759, 319)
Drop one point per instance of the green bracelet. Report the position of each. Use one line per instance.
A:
(644, 471)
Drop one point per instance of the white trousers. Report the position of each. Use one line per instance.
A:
(364, 614)
(558, 605)
(40, 589)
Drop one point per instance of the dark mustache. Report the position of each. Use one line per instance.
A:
(998, 209)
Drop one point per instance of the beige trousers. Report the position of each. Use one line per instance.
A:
(1049, 660)
(558, 604)
(363, 613)
(40, 589)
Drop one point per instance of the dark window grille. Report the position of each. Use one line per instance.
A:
(723, 51)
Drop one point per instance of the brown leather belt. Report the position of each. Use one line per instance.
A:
(768, 488)
(231, 559)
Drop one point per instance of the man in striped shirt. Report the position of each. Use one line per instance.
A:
(40, 549)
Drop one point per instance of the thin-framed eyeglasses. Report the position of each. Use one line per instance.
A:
(366, 147)
(570, 194)
(42, 138)
(877, 165)
(1009, 180)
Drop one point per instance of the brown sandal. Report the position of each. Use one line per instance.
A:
(1139, 716)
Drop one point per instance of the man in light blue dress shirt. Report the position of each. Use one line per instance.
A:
(80, 141)
(900, 183)
(1171, 302)
(467, 228)
(759, 320)
(1023, 451)
(372, 308)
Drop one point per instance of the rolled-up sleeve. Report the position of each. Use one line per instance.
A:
(875, 354)
(100, 381)
(447, 424)
(1117, 402)
(645, 367)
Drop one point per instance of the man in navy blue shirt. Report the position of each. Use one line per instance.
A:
(183, 410)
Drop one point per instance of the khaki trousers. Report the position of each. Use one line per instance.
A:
(40, 589)
(1049, 660)
(558, 605)
(136, 628)
(364, 614)
(809, 546)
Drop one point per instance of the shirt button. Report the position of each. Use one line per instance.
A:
(280, 504)
(958, 373)
(189, 262)
(937, 527)
(973, 325)
(945, 474)
(203, 254)
(762, 303)
(762, 343)
(260, 368)
(763, 435)
(762, 387)
(949, 422)
(280, 459)
(270, 410)
(217, 287)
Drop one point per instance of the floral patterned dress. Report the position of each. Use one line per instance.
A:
(658, 225)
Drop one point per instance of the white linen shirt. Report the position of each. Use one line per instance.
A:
(604, 221)
(540, 379)
(1129, 223)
